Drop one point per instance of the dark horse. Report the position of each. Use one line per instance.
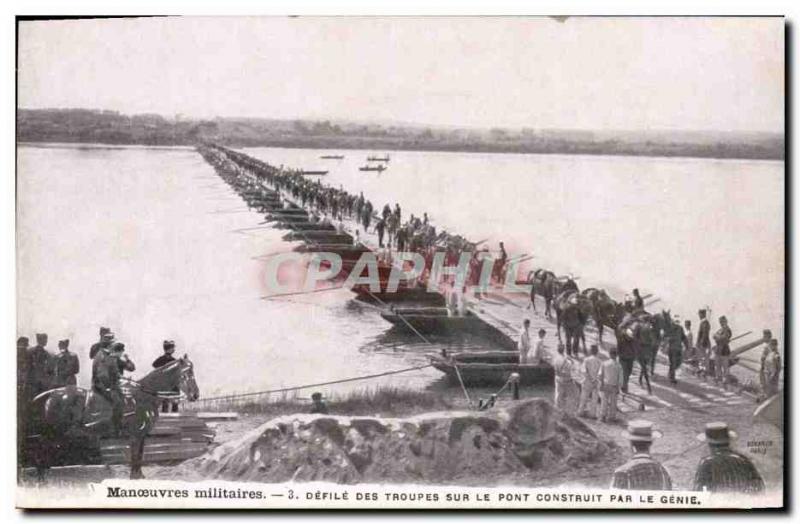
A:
(605, 310)
(73, 418)
(662, 322)
(545, 284)
(572, 313)
(637, 341)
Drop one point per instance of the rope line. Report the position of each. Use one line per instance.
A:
(455, 366)
(306, 386)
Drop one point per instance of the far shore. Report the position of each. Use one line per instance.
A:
(744, 152)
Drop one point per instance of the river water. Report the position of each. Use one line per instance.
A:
(143, 240)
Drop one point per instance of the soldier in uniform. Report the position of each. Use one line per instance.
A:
(65, 366)
(703, 345)
(565, 386)
(725, 470)
(22, 393)
(107, 369)
(770, 373)
(610, 385)
(38, 366)
(318, 405)
(570, 284)
(675, 340)
(590, 389)
(722, 349)
(106, 338)
(22, 366)
(641, 472)
(638, 301)
(163, 360)
(524, 342)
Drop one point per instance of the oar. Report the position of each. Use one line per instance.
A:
(524, 259)
(737, 337)
(250, 229)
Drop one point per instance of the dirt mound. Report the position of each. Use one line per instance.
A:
(529, 438)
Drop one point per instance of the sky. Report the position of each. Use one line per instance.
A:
(724, 74)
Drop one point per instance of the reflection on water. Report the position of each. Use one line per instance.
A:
(151, 243)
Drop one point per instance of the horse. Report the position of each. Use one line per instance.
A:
(545, 284)
(572, 312)
(661, 323)
(636, 341)
(605, 310)
(66, 420)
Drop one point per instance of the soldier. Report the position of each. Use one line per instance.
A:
(689, 354)
(770, 373)
(107, 369)
(163, 360)
(610, 384)
(591, 384)
(106, 338)
(641, 472)
(703, 345)
(318, 405)
(638, 301)
(725, 470)
(500, 265)
(380, 227)
(38, 366)
(65, 366)
(524, 342)
(540, 353)
(22, 365)
(676, 339)
(565, 386)
(22, 389)
(569, 284)
(722, 349)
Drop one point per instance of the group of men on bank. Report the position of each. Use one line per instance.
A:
(39, 370)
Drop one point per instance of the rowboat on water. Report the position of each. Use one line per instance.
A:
(378, 158)
(303, 226)
(432, 320)
(288, 212)
(345, 250)
(490, 368)
(318, 235)
(378, 168)
(286, 218)
(319, 173)
(332, 157)
(418, 295)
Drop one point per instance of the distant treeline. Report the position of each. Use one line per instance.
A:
(111, 127)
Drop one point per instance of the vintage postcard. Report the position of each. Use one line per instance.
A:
(414, 262)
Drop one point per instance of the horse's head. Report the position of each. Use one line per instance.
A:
(177, 374)
(188, 384)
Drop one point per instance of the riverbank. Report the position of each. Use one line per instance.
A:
(110, 127)
(679, 450)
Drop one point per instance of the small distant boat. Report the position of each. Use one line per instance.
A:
(332, 157)
(378, 158)
(320, 173)
(378, 168)
(490, 368)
